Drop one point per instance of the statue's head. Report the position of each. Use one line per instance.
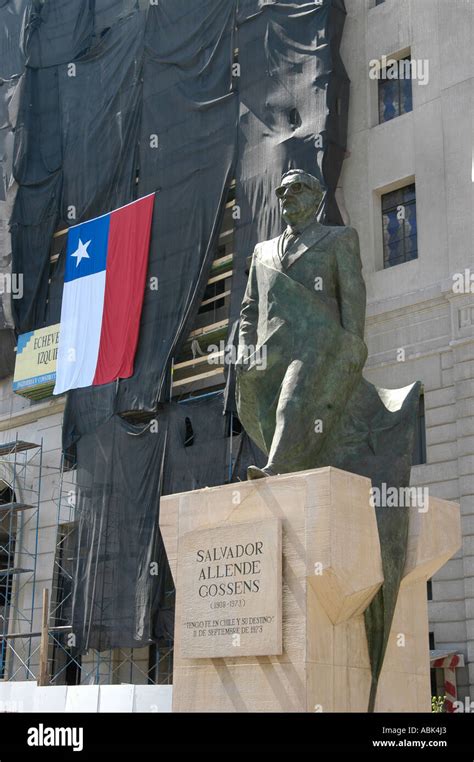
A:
(300, 197)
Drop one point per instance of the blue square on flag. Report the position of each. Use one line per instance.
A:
(87, 248)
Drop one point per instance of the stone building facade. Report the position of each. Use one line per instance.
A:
(420, 313)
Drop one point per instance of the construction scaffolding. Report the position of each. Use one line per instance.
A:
(20, 498)
(63, 664)
(36, 641)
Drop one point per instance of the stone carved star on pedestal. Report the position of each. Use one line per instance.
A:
(81, 252)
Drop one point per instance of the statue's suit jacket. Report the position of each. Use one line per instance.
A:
(306, 304)
(323, 260)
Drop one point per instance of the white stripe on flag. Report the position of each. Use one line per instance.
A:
(79, 335)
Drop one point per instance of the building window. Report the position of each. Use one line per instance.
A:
(400, 243)
(419, 445)
(395, 93)
(429, 591)
(70, 458)
(214, 297)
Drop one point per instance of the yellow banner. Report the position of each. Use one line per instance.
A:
(35, 367)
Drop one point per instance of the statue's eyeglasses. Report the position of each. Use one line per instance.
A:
(292, 188)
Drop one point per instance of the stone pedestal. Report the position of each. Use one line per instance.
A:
(293, 614)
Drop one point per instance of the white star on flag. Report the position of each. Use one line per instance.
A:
(81, 252)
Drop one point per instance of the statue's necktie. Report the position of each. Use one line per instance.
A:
(288, 240)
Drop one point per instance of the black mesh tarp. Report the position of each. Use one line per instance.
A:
(114, 91)
(122, 469)
(108, 12)
(121, 563)
(37, 169)
(100, 101)
(91, 407)
(293, 92)
(11, 21)
(7, 352)
(190, 133)
(77, 128)
(187, 152)
(11, 67)
(8, 103)
(33, 223)
(57, 32)
(198, 445)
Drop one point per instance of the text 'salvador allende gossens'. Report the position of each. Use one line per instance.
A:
(227, 562)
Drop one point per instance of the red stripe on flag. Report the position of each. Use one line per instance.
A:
(127, 262)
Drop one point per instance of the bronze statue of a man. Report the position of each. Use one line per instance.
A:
(300, 392)
(301, 341)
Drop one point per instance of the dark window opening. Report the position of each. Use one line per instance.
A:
(70, 458)
(234, 427)
(395, 93)
(429, 590)
(189, 433)
(210, 299)
(231, 193)
(400, 236)
(419, 445)
(295, 119)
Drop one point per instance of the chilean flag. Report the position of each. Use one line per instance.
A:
(104, 285)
